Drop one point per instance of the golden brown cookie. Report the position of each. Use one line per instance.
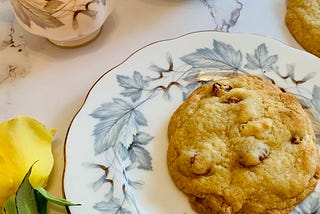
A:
(241, 145)
(303, 21)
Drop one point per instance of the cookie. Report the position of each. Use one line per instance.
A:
(242, 145)
(303, 21)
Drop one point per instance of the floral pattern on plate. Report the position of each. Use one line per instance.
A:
(47, 14)
(121, 123)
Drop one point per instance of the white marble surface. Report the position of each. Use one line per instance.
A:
(50, 83)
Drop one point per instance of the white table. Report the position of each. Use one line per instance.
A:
(50, 83)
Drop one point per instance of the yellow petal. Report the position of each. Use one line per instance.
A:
(23, 142)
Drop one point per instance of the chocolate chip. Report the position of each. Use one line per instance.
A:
(217, 87)
(192, 159)
(296, 139)
(264, 153)
(254, 155)
(198, 200)
(234, 100)
(316, 175)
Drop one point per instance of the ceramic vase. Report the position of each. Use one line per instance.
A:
(66, 23)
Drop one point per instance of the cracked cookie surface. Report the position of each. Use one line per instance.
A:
(241, 145)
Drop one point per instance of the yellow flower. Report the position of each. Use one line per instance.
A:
(24, 142)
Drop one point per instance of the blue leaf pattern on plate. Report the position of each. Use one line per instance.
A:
(111, 206)
(223, 56)
(138, 154)
(133, 86)
(119, 122)
(118, 133)
(316, 98)
(261, 60)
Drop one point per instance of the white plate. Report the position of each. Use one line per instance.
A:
(116, 145)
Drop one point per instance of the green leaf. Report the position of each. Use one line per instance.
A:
(29, 200)
(53, 199)
(9, 206)
(42, 203)
(25, 197)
